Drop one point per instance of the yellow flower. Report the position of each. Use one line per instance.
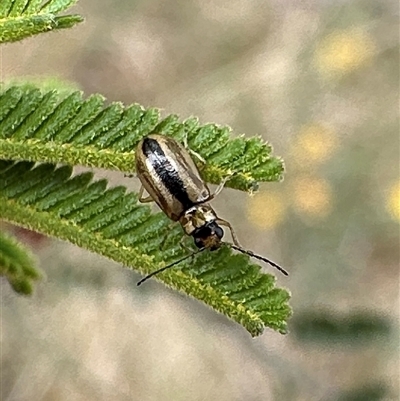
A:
(312, 196)
(393, 201)
(266, 209)
(343, 51)
(314, 144)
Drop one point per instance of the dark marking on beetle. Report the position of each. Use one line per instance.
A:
(203, 234)
(167, 173)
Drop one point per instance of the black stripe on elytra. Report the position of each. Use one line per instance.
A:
(168, 175)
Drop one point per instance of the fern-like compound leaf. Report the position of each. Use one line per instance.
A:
(20, 19)
(111, 222)
(17, 265)
(51, 126)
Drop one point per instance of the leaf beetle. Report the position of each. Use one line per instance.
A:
(170, 177)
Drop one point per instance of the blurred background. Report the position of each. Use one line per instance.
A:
(320, 81)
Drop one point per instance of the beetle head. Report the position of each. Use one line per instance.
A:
(208, 236)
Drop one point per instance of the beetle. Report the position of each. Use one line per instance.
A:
(170, 177)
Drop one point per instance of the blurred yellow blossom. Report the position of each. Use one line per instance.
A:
(343, 51)
(393, 201)
(312, 196)
(314, 144)
(266, 209)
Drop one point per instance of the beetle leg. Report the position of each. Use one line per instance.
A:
(183, 245)
(167, 234)
(220, 187)
(147, 199)
(225, 223)
(191, 151)
(186, 248)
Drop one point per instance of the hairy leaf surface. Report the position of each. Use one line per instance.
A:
(61, 127)
(20, 19)
(111, 222)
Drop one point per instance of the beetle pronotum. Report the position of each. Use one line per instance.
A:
(172, 180)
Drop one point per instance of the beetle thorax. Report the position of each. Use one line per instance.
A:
(197, 217)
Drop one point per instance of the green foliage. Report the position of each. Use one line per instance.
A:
(47, 126)
(51, 127)
(112, 223)
(369, 392)
(20, 19)
(16, 264)
(355, 329)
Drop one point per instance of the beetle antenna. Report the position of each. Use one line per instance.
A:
(254, 255)
(168, 266)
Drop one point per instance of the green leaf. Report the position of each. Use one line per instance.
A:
(43, 125)
(112, 223)
(20, 19)
(357, 329)
(46, 125)
(374, 391)
(16, 264)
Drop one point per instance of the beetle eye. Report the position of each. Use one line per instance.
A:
(206, 232)
(198, 242)
(202, 232)
(219, 232)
